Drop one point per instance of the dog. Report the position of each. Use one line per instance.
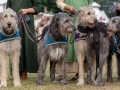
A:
(9, 46)
(60, 26)
(89, 42)
(113, 30)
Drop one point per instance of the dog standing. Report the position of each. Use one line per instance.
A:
(9, 46)
(85, 19)
(93, 43)
(60, 26)
(113, 30)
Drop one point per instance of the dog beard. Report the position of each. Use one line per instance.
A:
(8, 31)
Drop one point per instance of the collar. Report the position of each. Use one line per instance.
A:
(82, 29)
(4, 38)
(48, 40)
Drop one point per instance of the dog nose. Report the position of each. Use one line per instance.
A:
(74, 28)
(106, 25)
(9, 23)
(95, 20)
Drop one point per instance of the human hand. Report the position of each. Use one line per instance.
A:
(24, 11)
(118, 7)
(70, 8)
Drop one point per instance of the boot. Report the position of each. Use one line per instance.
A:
(23, 75)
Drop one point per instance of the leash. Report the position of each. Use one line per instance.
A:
(23, 19)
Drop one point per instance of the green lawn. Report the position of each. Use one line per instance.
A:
(29, 83)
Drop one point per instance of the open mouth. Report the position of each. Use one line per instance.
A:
(109, 30)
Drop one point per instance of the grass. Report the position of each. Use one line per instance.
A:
(29, 83)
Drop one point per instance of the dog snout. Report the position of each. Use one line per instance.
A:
(106, 25)
(95, 20)
(9, 23)
(74, 28)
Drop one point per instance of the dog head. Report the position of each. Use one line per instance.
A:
(62, 24)
(113, 26)
(86, 17)
(9, 21)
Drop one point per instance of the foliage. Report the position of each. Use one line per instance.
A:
(50, 4)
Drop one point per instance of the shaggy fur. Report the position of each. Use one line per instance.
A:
(113, 27)
(94, 46)
(61, 25)
(11, 49)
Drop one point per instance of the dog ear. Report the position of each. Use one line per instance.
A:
(79, 13)
(118, 25)
(55, 21)
(0, 15)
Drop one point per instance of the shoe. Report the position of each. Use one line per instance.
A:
(23, 75)
(59, 78)
(75, 77)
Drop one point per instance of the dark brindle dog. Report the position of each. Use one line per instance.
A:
(113, 30)
(60, 26)
(92, 43)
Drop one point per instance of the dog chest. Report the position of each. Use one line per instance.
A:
(9, 46)
(57, 53)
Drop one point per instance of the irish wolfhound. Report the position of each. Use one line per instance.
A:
(60, 26)
(113, 30)
(90, 37)
(9, 46)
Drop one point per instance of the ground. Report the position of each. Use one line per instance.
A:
(30, 85)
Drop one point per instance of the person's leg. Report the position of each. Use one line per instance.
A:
(22, 65)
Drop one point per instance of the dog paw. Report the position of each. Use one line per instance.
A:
(17, 84)
(101, 84)
(64, 82)
(39, 82)
(109, 80)
(80, 82)
(3, 85)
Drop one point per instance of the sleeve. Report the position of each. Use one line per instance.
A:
(8, 4)
(60, 4)
(90, 1)
(36, 6)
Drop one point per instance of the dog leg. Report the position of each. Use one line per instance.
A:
(63, 71)
(103, 58)
(109, 69)
(3, 64)
(52, 71)
(41, 71)
(81, 58)
(14, 57)
(94, 69)
(118, 67)
(89, 60)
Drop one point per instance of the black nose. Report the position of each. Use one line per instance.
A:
(106, 25)
(74, 28)
(95, 20)
(9, 23)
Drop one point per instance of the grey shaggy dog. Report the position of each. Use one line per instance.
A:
(9, 48)
(61, 25)
(93, 43)
(113, 28)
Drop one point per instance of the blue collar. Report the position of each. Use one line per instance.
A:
(115, 43)
(4, 38)
(48, 40)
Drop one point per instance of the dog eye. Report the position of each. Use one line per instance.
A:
(12, 16)
(66, 20)
(88, 13)
(5, 16)
(114, 21)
